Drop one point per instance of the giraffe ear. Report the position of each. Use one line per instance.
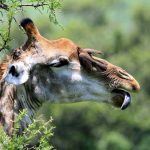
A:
(85, 61)
(91, 51)
(90, 64)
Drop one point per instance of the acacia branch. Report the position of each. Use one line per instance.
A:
(8, 35)
(33, 5)
(5, 7)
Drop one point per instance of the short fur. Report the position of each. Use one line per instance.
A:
(39, 51)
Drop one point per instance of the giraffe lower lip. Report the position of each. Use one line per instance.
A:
(121, 99)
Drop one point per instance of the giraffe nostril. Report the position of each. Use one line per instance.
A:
(136, 87)
(13, 71)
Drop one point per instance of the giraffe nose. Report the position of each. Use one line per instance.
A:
(136, 87)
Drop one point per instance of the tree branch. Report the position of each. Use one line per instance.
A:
(4, 6)
(8, 35)
(32, 5)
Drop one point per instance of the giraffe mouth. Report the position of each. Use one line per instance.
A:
(121, 98)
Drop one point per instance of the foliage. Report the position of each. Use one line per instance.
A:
(38, 133)
(114, 141)
(9, 10)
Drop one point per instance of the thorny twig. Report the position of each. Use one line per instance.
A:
(4, 6)
(8, 35)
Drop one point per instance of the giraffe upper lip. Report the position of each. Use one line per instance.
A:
(121, 98)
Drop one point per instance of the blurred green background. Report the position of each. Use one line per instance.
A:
(121, 29)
